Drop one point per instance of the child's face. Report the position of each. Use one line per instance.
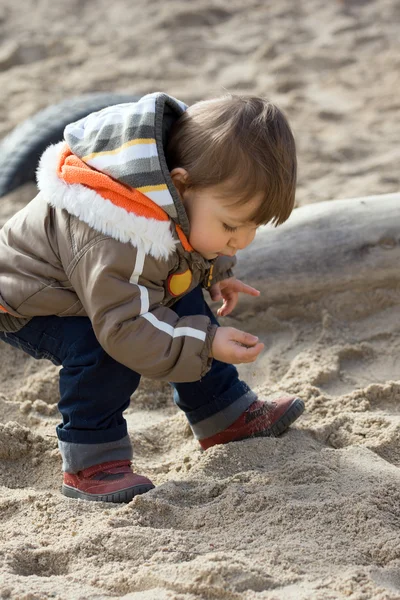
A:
(216, 225)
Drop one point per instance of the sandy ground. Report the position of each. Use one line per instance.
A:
(314, 514)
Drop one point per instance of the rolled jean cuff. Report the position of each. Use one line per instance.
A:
(77, 457)
(92, 436)
(224, 418)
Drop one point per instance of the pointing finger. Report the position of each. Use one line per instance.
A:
(239, 286)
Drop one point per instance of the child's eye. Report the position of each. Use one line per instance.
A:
(227, 228)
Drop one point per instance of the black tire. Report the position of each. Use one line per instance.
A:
(21, 149)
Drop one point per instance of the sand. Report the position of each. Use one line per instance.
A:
(314, 514)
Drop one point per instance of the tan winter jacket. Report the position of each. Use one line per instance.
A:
(71, 252)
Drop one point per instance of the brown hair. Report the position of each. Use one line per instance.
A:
(243, 143)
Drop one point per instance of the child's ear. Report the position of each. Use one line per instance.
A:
(180, 179)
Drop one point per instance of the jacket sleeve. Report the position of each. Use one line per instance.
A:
(122, 292)
(219, 270)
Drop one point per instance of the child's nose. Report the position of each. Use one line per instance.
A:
(241, 240)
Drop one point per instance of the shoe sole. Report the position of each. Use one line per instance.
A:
(121, 496)
(291, 415)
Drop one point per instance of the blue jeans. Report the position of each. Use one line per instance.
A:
(95, 389)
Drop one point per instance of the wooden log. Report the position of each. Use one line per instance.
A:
(351, 244)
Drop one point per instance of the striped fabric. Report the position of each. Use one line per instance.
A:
(125, 141)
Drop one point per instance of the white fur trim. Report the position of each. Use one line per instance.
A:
(155, 237)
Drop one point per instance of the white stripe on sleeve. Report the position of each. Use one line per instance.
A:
(138, 269)
(134, 278)
(178, 332)
(144, 299)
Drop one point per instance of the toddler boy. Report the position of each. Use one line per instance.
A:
(139, 208)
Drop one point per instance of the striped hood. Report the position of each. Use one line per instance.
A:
(124, 143)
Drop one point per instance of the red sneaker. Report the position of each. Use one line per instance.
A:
(262, 418)
(108, 482)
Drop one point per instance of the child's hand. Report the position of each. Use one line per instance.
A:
(233, 346)
(229, 289)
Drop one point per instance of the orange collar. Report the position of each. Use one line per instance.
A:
(72, 169)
